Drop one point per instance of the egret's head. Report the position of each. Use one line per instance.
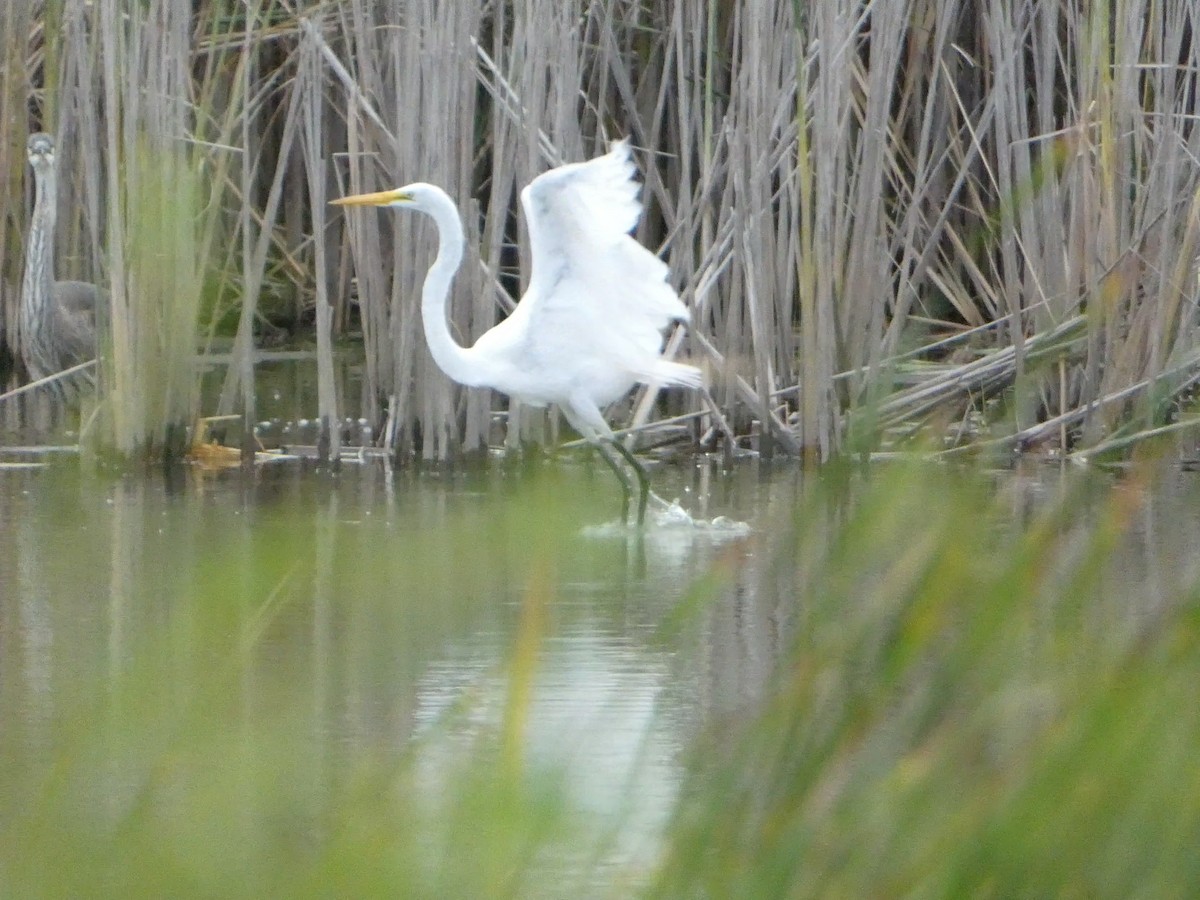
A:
(41, 150)
(413, 196)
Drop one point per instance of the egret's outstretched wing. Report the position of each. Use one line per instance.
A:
(590, 278)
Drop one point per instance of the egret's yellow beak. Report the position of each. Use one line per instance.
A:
(381, 198)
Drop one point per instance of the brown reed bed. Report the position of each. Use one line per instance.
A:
(975, 224)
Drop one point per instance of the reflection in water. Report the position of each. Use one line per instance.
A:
(298, 627)
(33, 636)
(350, 613)
(593, 723)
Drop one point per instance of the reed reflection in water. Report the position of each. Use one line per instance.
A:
(222, 650)
(302, 681)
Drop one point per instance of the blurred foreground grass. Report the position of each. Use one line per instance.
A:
(974, 704)
(972, 697)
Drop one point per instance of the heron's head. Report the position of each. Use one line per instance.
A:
(418, 196)
(41, 150)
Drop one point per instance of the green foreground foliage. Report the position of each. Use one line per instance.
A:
(968, 701)
(966, 709)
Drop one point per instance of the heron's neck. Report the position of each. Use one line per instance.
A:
(455, 360)
(38, 279)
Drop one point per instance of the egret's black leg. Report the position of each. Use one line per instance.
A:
(643, 479)
(586, 418)
(626, 487)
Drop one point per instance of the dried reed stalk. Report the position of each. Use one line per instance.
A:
(309, 88)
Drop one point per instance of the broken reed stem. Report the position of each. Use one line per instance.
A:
(49, 379)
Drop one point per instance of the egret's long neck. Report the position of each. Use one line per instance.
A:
(452, 358)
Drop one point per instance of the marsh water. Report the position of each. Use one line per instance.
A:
(233, 650)
(350, 615)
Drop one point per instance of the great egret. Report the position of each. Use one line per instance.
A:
(590, 325)
(58, 318)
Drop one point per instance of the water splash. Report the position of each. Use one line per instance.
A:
(671, 519)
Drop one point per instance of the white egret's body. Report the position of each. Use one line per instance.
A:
(590, 325)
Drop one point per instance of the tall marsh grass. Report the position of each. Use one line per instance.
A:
(977, 222)
(150, 388)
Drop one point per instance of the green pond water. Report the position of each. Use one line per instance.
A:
(213, 682)
(179, 641)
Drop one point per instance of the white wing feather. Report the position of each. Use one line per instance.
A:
(580, 217)
(598, 300)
